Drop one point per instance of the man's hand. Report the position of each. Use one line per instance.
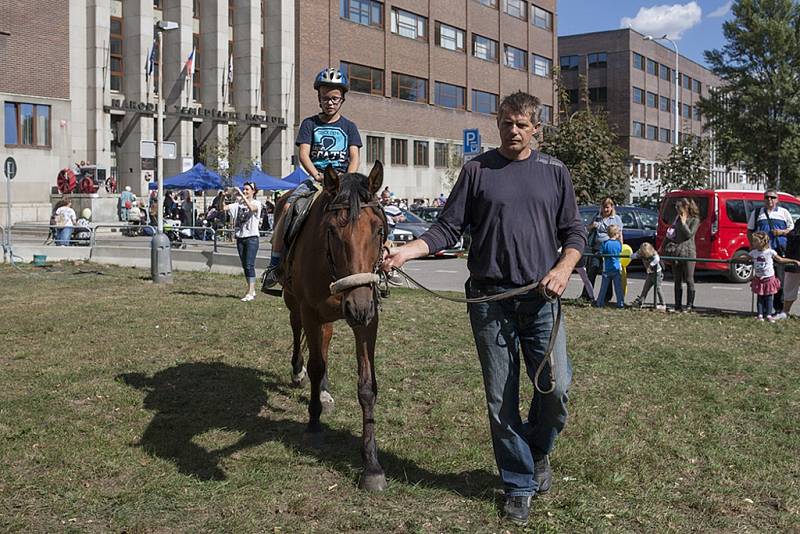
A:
(555, 282)
(397, 256)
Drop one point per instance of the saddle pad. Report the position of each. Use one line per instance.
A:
(298, 214)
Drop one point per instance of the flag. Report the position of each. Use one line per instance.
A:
(190, 64)
(149, 64)
(230, 69)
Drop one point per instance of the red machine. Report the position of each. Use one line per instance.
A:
(85, 179)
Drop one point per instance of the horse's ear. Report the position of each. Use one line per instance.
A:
(375, 178)
(330, 180)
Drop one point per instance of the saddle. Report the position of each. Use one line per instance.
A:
(298, 213)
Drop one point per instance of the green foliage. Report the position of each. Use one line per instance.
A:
(755, 113)
(228, 158)
(687, 166)
(587, 145)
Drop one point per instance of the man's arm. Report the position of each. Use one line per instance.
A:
(398, 256)
(353, 153)
(555, 281)
(305, 162)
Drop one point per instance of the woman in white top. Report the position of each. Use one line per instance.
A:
(65, 220)
(246, 216)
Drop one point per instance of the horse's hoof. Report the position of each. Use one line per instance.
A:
(299, 378)
(315, 440)
(372, 482)
(327, 401)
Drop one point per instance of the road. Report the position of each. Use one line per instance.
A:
(714, 292)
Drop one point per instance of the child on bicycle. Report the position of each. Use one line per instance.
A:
(326, 138)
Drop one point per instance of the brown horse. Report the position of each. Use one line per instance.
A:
(331, 274)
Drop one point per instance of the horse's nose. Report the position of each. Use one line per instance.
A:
(359, 307)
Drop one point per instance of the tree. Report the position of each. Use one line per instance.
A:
(755, 113)
(227, 158)
(687, 166)
(587, 145)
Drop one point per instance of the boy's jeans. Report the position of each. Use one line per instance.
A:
(610, 277)
(501, 329)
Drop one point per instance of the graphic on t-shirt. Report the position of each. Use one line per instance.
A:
(329, 147)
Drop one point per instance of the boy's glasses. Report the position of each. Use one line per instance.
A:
(330, 99)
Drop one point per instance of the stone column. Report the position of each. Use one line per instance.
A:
(78, 84)
(98, 79)
(278, 145)
(177, 83)
(214, 34)
(138, 22)
(247, 42)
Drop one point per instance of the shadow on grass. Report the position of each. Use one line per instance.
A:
(205, 294)
(193, 398)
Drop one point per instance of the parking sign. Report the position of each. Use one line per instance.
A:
(472, 142)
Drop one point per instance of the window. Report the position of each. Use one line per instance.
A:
(516, 8)
(663, 103)
(598, 95)
(546, 114)
(696, 86)
(399, 152)
(652, 98)
(736, 211)
(484, 48)
(449, 96)
(489, 3)
(196, 9)
(421, 153)
(409, 88)
(542, 66)
(363, 79)
(365, 12)
(638, 96)
(409, 25)
(686, 111)
(569, 63)
(638, 129)
(515, 58)
(652, 132)
(27, 125)
(663, 135)
(696, 113)
(196, 78)
(115, 43)
(374, 149)
(573, 95)
(449, 37)
(652, 67)
(156, 4)
(542, 18)
(598, 60)
(638, 61)
(687, 82)
(484, 102)
(663, 72)
(231, 11)
(441, 154)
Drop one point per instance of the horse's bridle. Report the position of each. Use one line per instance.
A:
(351, 281)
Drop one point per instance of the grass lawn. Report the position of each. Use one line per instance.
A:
(130, 407)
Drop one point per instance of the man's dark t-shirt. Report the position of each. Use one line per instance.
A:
(519, 213)
(330, 141)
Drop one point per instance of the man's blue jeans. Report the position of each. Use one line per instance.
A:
(501, 329)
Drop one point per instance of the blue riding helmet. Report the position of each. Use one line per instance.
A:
(331, 77)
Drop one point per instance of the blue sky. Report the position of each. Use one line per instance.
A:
(696, 25)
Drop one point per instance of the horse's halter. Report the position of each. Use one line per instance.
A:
(341, 284)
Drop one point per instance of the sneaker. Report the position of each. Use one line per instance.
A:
(770, 318)
(543, 474)
(270, 277)
(517, 509)
(637, 302)
(780, 316)
(661, 307)
(759, 318)
(249, 297)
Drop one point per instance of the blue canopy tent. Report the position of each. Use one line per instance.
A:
(297, 177)
(263, 181)
(198, 178)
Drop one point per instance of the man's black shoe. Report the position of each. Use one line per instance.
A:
(517, 509)
(270, 278)
(543, 474)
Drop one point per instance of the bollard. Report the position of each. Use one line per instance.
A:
(160, 259)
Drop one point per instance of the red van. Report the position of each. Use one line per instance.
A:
(723, 224)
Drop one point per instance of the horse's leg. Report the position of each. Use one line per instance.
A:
(299, 373)
(324, 393)
(372, 478)
(316, 370)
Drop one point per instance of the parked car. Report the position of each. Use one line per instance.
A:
(427, 213)
(414, 226)
(722, 233)
(638, 224)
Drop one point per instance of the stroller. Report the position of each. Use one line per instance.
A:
(172, 229)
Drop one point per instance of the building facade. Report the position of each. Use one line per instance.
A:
(80, 82)
(633, 79)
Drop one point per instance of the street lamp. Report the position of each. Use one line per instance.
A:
(677, 79)
(160, 259)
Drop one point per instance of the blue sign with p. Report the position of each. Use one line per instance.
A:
(472, 142)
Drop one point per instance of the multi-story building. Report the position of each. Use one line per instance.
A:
(77, 85)
(633, 79)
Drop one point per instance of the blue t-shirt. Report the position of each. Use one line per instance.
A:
(612, 246)
(329, 141)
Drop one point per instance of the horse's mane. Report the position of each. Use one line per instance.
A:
(353, 191)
